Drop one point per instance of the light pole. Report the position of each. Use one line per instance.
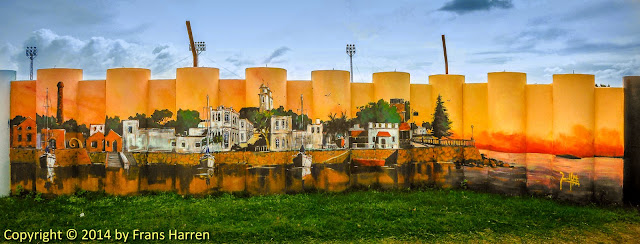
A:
(32, 52)
(351, 50)
(200, 47)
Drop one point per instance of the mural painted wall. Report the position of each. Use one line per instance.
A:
(538, 127)
(582, 120)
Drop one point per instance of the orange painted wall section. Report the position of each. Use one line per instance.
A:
(193, 84)
(609, 122)
(232, 94)
(331, 93)
(23, 99)
(49, 78)
(475, 110)
(295, 88)
(126, 91)
(361, 95)
(420, 101)
(507, 111)
(91, 102)
(450, 88)
(573, 114)
(274, 78)
(162, 95)
(388, 85)
(539, 118)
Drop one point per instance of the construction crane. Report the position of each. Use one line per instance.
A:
(195, 47)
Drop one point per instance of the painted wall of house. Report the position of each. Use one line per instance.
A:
(192, 86)
(573, 114)
(6, 76)
(125, 89)
(91, 101)
(475, 113)
(274, 78)
(388, 85)
(609, 124)
(420, 101)
(539, 131)
(48, 79)
(331, 93)
(232, 93)
(162, 95)
(295, 88)
(450, 88)
(361, 95)
(507, 111)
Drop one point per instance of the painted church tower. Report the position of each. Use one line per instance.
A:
(266, 99)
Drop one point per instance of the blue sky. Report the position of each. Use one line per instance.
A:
(539, 38)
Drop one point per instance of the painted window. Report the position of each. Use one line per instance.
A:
(277, 143)
(130, 129)
(107, 143)
(19, 127)
(94, 144)
(183, 145)
(197, 144)
(28, 127)
(19, 137)
(29, 137)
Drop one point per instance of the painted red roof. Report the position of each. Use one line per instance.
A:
(383, 134)
(356, 133)
(405, 126)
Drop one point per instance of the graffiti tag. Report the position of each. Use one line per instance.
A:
(572, 180)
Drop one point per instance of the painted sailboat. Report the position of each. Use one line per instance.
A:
(48, 158)
(207, 160)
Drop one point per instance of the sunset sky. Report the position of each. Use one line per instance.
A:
(539, 38)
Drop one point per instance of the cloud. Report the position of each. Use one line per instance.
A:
(579, 46)
(276, 53)
(238, 61)
(491, 60)
(467, 6)
(94, 55)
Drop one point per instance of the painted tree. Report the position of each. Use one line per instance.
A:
(441, 124)
(262, 123)
(113, 124)
(337, 126)
(159, 118)
(378, 112)
(185, 119)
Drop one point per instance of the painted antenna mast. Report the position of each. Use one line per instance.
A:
(446, 64)
(196, 48)
(32, 52)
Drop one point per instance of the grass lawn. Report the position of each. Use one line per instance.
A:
(428, 215)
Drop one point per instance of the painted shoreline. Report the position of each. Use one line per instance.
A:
(581, 181)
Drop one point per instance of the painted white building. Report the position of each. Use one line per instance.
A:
(96, 128)
(245, 130)
(316, 130)
(189, 144)
(384, 135)
(146, 140)
(280, 134)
